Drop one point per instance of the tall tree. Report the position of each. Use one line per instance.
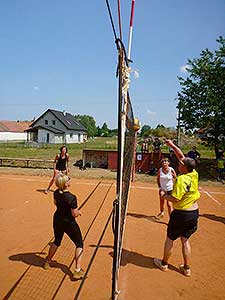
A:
(88, 122)
(145, 130)
(105, 130)
(201, 101)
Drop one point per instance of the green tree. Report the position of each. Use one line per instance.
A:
(145, 130)
(201, 101)
(104, 130)
(113, 132)
(89, 123)
(99, 131)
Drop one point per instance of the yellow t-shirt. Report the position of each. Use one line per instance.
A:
(185, 190)
(220, 163)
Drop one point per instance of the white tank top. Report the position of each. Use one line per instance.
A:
(166, 180)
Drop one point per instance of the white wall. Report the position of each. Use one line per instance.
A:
(13, 136)
(76, 138)
(42, 136)
(57, 139)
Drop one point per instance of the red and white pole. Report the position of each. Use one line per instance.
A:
(131, 29)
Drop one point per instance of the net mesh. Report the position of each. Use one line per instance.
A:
(126, 144)
(129, 143)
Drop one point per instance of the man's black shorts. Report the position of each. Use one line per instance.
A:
(182, 223)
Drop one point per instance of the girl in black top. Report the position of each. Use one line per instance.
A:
(64, 222)
(60, 165)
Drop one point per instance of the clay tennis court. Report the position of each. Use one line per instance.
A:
(26, 230)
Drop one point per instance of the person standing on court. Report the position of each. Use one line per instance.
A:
(165, 179)
(61, 164)
(64, 221)
(184, 217)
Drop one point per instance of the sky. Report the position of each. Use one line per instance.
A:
(62, 55)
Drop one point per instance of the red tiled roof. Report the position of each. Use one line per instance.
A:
(14, 126)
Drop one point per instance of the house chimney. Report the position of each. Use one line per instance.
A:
(64, 112)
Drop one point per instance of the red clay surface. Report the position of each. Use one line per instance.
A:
(26, 229)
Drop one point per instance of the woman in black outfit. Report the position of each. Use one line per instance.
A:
(64, 221)
(61, 165)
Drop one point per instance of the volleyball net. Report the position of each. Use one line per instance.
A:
(126, 146)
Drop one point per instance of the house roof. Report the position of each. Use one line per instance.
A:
(48, 128)
(14, 126)
(66, 118)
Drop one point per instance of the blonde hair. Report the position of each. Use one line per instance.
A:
(60, 181)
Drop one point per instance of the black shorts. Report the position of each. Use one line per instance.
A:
(168, 192)
(182, 223)
(70, 227)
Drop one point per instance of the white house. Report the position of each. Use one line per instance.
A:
(13, 130)
(56, 127)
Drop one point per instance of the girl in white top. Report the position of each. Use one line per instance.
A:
(165, 180)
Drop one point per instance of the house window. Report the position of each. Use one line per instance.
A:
(71, 135)
(79, 137)
(46, 122)
(53, 122)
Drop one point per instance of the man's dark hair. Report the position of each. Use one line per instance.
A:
(189, 163)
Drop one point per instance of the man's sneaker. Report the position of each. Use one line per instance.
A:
(158, 263)
(160, 216)
(78, 274)
(185, 271)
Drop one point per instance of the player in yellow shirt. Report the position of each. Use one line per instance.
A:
(184, 218)
(220, 167)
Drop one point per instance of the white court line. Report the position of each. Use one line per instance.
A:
(144, 187)
(85, 183)
(218, 193)
(27, 179)
(108, 184)
(211, 197)
(43, 180)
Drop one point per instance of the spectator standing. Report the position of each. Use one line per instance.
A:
(194, 154)
(156, 145)
(220, 164)
(145, 146)
(156, 154)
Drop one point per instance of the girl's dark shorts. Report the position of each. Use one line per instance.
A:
(70, 227)
(182, 223)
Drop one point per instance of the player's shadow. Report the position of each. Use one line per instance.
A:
(131, 257)
(29, 258)
(148, 218)
(34, 259)
(140, 260)
(213, 217)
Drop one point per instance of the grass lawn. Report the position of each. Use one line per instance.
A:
(206, 167)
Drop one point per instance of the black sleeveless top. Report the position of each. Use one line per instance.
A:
(61, 163)
(64, 202)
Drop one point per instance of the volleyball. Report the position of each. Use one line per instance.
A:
(136, 124)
